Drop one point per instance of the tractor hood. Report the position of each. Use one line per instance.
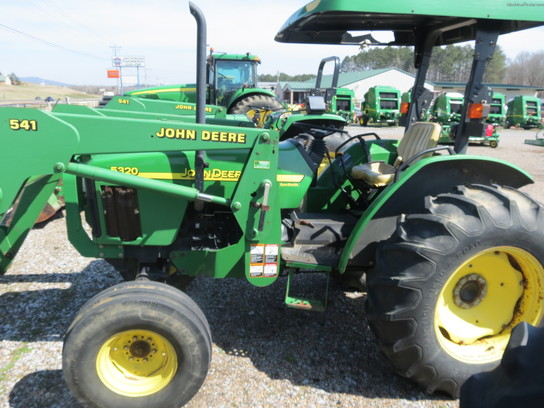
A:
(337, 21)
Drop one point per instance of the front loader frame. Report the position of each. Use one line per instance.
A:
(80, 136)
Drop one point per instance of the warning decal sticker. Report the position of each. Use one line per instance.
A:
(264, 261)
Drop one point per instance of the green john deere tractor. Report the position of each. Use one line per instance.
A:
(232, 83)
(525, 112)
(381, 105)
(451, 250)
(317, 111)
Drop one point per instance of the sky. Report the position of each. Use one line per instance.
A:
(71, 41)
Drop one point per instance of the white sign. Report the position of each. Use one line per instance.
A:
(130, 80)
(128, 61)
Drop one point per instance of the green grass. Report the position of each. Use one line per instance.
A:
(15, 357)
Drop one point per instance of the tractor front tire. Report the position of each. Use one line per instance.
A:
(251, 102)
(136, 347)
(450, 284)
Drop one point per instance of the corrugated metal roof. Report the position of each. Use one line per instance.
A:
(297, 86)
(345, 78)
(462, 84)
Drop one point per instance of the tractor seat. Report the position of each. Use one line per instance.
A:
(420, 136)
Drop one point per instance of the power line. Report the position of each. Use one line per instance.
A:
(49, 43)
(55, 17)
(70, 21)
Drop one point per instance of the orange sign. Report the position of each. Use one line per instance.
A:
(113, 73)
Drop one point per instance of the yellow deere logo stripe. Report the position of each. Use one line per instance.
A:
(289, 178)
(165, 90)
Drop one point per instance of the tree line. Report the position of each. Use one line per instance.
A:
(451, 63)
(283, 77)
(527, 69)
(13, 78)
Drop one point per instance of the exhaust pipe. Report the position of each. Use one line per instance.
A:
(200, 63)
(200, 155)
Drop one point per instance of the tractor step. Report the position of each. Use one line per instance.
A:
(319, 239)
(301, 301)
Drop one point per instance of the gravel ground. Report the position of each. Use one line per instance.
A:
(264, 355)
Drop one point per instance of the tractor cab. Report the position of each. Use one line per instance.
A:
(229, 73)
(423, 25)
(430, 240)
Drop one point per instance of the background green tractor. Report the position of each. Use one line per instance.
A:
(451, 251)
(232, 83)
(524, 111)
(381, 105)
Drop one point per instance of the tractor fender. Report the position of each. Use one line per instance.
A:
(427, 177)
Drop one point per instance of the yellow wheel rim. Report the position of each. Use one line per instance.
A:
(484, 299)
(136, 363)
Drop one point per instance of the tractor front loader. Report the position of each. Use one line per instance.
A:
(451, 251)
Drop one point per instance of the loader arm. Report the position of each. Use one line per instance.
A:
(54, 143)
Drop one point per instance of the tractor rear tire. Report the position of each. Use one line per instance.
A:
(450, 284)
(250, 102)
(133, 347)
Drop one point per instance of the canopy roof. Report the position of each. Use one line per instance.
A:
(334, 21)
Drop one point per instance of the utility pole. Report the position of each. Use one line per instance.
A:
(114, 49)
